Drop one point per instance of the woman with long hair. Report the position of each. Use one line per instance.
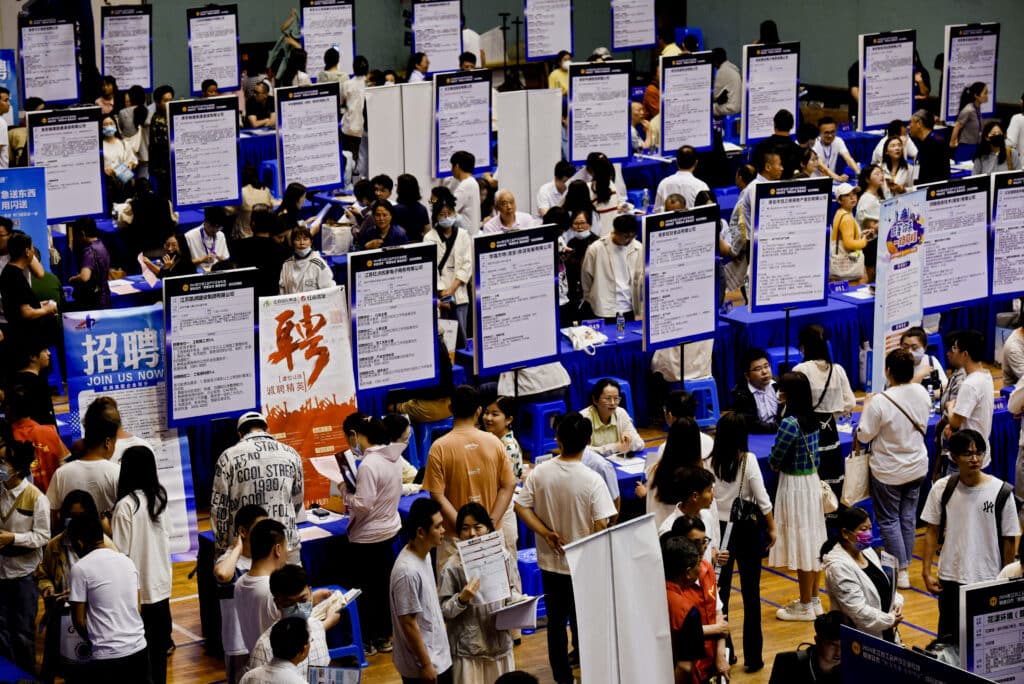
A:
(899, 177)
(132, 119)
(681, 448)
(991, 155)
(409, 211)
(294, 73)
(137, 529)
(967, 128)
(871, 181)
(607, 202)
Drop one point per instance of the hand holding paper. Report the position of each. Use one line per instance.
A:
(469, 591)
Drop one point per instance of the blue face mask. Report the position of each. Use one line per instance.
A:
(446, 222)
(303, 253)
(302, 610)
(109, 131)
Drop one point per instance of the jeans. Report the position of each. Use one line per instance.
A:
(748, 557)
(949, 612)
(19, 601)
(372, 574)
(156, 617)
(561, 606)
(896, 515)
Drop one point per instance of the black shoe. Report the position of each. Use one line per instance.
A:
(574, 659)
(753, 667)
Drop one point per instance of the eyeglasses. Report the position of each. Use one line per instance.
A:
(972, 455)
(760, 368)
(703, 541)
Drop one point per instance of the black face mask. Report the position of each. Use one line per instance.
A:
(996, 141)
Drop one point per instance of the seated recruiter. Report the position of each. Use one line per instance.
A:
(382, 233)
(207, 242)
(259, 109)
(552, 193)
(682, 182)
(831, 150)
(508, 219)
(613, 428)
(818, 664)
(756, 397)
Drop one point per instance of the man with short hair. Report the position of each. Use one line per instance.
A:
(932, 152)
(93, 471)
(507, 219)
(262, 252)
(737, 234)
(978, 516)
(382, 186)
(818, 664)
(5, 106)
(159, 145)
(254, 601)
(420, 66)
(466, 191)
(552, 193)
(209, 88)
(831, 149)
(27, 317)
(756, 397)
(563, 501)
(206, 242)
(974, 401)
(639, 129)
(259, 109)
(467, 61)
(781, 141)
(682, 182)
(290, 642)
(421, 651)
(257, 470)
(728, 85)
(612, 272)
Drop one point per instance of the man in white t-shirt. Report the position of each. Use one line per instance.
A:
(254, 602)
(563, 501)
(93, 471)
(206, 242)
(507, 219)
(831, 150)
(975, 400)
(981, 529)
(681, 182)
(466, 191)
(552, 193)
(231, 565)
(290, 642)
(104, 597)
(5, 106)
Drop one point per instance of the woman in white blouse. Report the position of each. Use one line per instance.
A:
(899, 177)
(871, 181)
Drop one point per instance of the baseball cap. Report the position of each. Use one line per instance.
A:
(251, 417)
(842, 189)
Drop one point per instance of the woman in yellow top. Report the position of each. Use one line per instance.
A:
(846, 260)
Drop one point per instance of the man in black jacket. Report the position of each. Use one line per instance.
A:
(932, 153)
(819, 663)
(755, 397)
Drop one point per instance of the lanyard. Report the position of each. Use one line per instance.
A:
(209, 247)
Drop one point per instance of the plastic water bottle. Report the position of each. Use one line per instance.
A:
(645, 203)
(620, 326)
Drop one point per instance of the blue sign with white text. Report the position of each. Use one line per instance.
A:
(9, 80)
(23, 201)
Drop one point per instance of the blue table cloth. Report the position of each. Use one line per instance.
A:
(639, 173)
(254, 148)
(860, 144)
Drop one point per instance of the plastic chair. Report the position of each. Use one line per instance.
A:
(777, 356)
(626, 401)
(354, 649)
(935, 343)
(705, 391)
(426, 433)
(683, 31)
(268, 174)
(529, 572)
(535, 433)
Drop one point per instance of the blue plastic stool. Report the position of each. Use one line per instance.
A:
(935, 342)
(426, 433)
(777, 356)
(705, 391)
(458, 375)
(529, 572)
(268, 168)
(535, 433)
(731, 125)
(354, 649)
(626, 400)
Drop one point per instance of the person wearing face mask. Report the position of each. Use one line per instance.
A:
(119, 161)
(374, 524)
(305, 270)
(577, 240)
(927, 369)
(24, 531)
(991, 155)
(559, 76)
(294, 599)
(857, 585)
(92, 471)
(454, 262)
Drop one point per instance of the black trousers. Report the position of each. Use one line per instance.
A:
(133, 668)
(748, 557)
(372, 575)
(442, 678)
(156, 617)
(561, 606)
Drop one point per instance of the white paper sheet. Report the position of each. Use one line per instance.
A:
(484, 558)
(519, 615)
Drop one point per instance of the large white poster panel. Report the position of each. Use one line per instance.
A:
(516, 298)
(437, 32)
(679, 277)
(886, 78)
(1006, 241)
(991, 624)
(213, 47)
(306, 384)
(329, 24)
(771, 80)
(790, 243)
(394, 316)
(210, 323)
(309, 147)
(462, 118)
(956, 214)
(898, 303)
(204, 151)
(599, 110)
(67, 144)
(686, 112)
(49, 59)
(127, 45)
(972, 51)
(548, 28)
(633, 24)
(612, 575)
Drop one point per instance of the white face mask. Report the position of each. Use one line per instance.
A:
(918, 354)
(565, 64)
(303, 253)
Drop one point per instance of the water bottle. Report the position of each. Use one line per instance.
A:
(620, 326)
(645, 203)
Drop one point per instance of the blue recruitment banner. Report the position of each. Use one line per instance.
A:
(119, 353)
(790, 244)
(204, 152)
(867, 658)
(956, 216)
(515, 287)
(126, 45)
(462, 119)
(9, 80)
(23, 201)
(213, 47)
(991, 625)
(679, 277)
(394, 316)
(67, 144)
(1006, 234)
(599, 110)
(49, 59)
(211, 328)
(308, 136)
(547, 28)
(886, 78)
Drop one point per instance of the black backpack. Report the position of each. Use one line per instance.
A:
(1004, 494)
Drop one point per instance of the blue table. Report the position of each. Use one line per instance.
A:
(144, 293)
(860, 144)
(646, 172)
(257, 146)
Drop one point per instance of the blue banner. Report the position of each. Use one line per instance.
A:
(867, 658)
(9, 80)
(120, 353)
(23, 200)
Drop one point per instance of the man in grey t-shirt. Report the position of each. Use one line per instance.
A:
(421, 650)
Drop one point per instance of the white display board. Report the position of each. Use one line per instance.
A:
(462, 118)
(971, 54)
(126, 38)
(771, 81)
(886, 78)
(599, 115)
(686, 111)
(1006, 240)
(329, 24)
(213, 47)
(308, 142)
(547, 28)
(67, 144)
(533, 116)
(790, 244)
(204, 151)
(633, 24)
(991, 624)
(956, 220)
(437, 32)
(48, 49)
(406, 111)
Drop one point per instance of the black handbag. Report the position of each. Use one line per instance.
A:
(747, 519)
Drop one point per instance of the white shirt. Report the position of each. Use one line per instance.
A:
(569, 498)
(416, 76)
(277, 671)
(467, 204)
(829, 155)
(909, 149)
(255, 607)
(1015, 137)
(972, 552)
(319, 656)
(708, 516)
(126, 443)
(108, 583)
(838, 397)
(727, 77)
(99, 478)
(4, 145)
(549, 196)
(898, 451)
(661, 510)
(534, 380)
(975, 404)
(623, 288)
(201, 244)
(31, 530)
(681, 182)
(230, 630)
(522, 221)
(750, 481)
(136, 535)
(459, 265)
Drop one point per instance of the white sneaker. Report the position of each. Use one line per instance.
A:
(794, 611)
(903, 579)
(817, 607)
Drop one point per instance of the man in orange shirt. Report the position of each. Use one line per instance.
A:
(50, 450)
